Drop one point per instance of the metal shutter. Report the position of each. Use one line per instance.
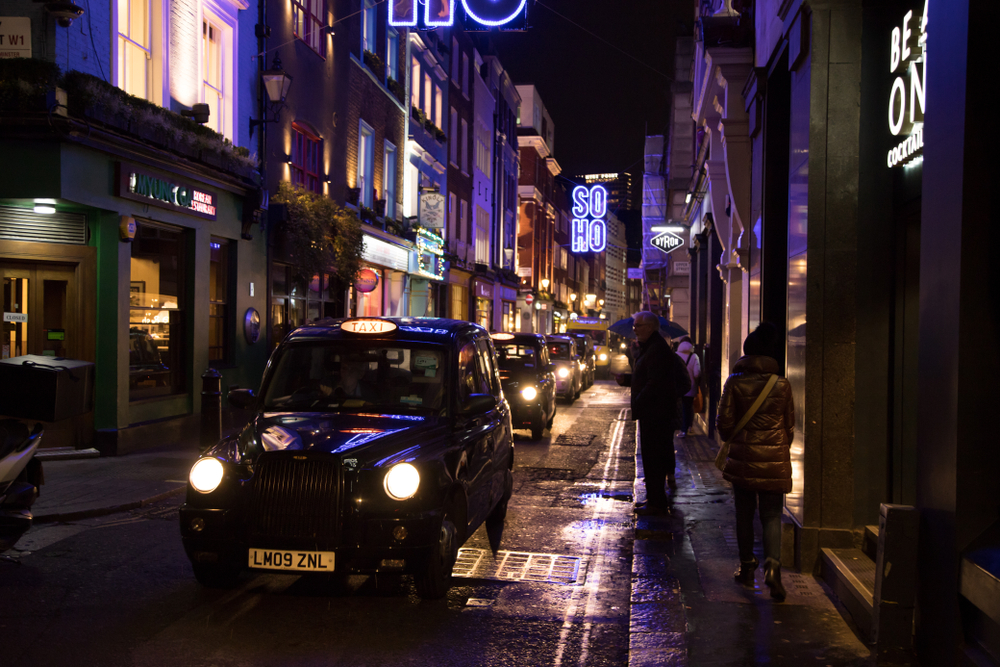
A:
(23, 224)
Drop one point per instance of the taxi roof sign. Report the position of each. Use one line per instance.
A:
(502, 335)
(368, 325)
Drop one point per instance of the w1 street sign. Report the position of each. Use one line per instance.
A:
(667, 242)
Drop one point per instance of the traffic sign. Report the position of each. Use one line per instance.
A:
(667, 242)
(529, 299)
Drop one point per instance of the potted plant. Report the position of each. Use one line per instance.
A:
(379, 207)
(353, 195)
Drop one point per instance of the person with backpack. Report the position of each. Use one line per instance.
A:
(685, 350)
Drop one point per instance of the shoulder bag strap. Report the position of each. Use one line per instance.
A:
(771, 381)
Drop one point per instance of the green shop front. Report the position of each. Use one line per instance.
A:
(141, 260)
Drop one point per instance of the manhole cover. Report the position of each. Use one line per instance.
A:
(581, 440)
(518, 566)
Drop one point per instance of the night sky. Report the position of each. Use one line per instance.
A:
(602, 102)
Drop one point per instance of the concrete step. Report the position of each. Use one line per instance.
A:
(65, 454)
(870, 543)
(851, 575)
(980, 586)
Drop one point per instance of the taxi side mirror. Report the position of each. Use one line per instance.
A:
(242, 399)
(478, 404)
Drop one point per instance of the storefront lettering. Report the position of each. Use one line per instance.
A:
(140, 186)
(908, 57)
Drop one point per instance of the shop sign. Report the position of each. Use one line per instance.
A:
(589, 232)
(366, 281)
(15, 317)
(442, 13)
(667, 242)
(508, 294)
(15, 37)
(432, 210)
(385, 254)
(484, 290)
(908, 43)
(634, 274)
(141, 186)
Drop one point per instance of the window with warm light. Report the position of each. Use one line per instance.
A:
(482, 231)
(135, 52)
(415, 83)
(366, 163)
(389, 185)
(213, 91)
(306, 151)
(308, 23)
(368, 28)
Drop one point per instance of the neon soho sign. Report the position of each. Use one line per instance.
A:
(589, 232)
(441, 13)
(908, 56)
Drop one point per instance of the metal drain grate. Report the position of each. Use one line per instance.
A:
(518, 566)
(580, 440)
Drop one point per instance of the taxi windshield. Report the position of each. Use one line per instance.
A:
(347, 375)
(515, 357)
(559, 350)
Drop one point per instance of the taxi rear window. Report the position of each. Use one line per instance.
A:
(347, 375)
(512, 357)
(559, 350)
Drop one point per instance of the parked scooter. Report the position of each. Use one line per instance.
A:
(20, 479)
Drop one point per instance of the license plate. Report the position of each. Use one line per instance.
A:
(301, 561)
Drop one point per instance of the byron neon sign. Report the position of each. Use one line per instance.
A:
(589, 232)
(441, 13)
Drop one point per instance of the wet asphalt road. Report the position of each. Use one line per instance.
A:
(118, 590)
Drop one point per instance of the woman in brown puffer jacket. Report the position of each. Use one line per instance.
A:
(759, 466)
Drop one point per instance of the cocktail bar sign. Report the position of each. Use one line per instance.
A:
(139, 185)
(908, 65)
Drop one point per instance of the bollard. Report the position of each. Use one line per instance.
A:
(211, 408)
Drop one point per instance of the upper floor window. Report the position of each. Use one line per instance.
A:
(306, 151)
(368, 28)
(465, 74)
(308, 23)
(366, 163)
(135, 52)
(389, 178)
(213, 78)
(454, 60)
(392, 55)
(415, 84)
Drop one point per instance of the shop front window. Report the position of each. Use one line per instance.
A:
(156, 313)
(484, 313)
(288, 302)
(325, 299)
(508, 322)
(220, 329)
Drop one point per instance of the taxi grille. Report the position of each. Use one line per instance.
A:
(296, 497)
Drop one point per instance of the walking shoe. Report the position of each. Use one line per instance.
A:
(682, 434)
(772, 577)
(651, 510)
(744, 574)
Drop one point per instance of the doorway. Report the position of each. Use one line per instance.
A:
(41, 316)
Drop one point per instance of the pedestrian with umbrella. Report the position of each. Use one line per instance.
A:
(658, 380)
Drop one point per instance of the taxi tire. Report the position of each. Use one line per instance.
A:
(551, 420)
(433, 579)
(213, 575)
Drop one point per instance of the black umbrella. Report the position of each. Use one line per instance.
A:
(668, 329)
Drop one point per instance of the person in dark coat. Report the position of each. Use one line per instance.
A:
(658, 381)
(759, 465)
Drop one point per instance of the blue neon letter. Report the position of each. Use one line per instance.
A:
(598, 235)
(439, 13)
(493, 12)
(598, 201)
(580, 234)
(580, 205)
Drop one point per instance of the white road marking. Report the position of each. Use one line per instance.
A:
(586, 596)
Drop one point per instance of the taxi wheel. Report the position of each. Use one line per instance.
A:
(434, 577)
(551, 420)
(215, 575)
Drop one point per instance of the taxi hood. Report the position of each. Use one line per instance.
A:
(352, 434)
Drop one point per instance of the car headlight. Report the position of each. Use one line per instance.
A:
(603, 357)
(622, 346)
(529, 393)
(582, 366)
(206, 475)
(402, 481)
(563, 372)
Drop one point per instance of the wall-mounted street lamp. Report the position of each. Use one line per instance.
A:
(572, 297)
(276, 83)
(545, 283)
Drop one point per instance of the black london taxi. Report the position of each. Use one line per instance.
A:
(586, 346)
(528, 380)
(567, 363)
(378, 445)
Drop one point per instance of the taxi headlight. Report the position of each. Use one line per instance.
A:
(582, 366)
(529, 393)
(603, 357)
(206, 475)
(401, 481)
(563, 372)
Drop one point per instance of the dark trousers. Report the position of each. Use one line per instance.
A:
(656, 442)
(687, 412)
(770, 520)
